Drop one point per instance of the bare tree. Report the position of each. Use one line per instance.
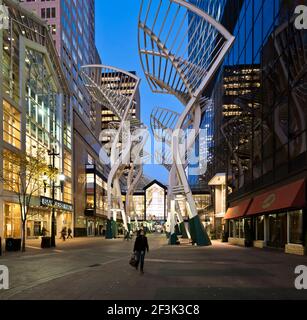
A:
(23, 175)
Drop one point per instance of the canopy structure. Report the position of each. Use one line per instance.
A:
(116, 89)
(181, 47)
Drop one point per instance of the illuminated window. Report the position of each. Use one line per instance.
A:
(90, 202)
(155, 203)
(11, 171)
(67, 192)
(11, 125)
(12, 221)
(67, 164)
(90, 179)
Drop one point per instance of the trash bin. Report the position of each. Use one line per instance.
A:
(46, 242)
(12, 245)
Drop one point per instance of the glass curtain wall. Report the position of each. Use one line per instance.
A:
(268, 138)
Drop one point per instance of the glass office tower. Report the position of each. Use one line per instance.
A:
(265, 143)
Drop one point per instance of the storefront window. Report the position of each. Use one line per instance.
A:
(37, 220)
(260, 228)
(296, 227)
(237, 228)
(241, 224)
(202, 201)
(12, 220)
(231, 229)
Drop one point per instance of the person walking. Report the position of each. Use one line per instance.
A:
(63, 233)
(140, 247)
(69, 231)
(44, 232)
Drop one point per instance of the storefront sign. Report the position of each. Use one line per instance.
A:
(47, 202)
(267, 203)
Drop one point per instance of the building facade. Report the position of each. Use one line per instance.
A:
(72, 25)
(266, 140)
(35, 102)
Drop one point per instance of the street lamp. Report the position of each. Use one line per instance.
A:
(53, 186)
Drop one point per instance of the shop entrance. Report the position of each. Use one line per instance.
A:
(90, 228)
(277, 230)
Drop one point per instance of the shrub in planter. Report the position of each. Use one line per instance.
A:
(46, 243)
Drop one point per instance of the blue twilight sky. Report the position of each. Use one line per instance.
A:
(116, 39)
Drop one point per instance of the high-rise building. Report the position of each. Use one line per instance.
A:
(72, 25)
(34, 109)
(265, 130)
(235, 84)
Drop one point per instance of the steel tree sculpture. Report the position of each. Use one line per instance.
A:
(115, 89)
(163, 122)
(139, 138)
(181, 47)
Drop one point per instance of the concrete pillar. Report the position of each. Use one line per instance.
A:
(266, 230)
(288, 228)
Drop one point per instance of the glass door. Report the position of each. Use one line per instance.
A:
(277, 230)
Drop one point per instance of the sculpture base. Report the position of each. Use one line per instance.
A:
(183, 230)
(114, 229)
(173, 240)
(198, 233)
(109, 233)
(178, 230)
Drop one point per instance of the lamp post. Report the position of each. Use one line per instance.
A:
(61, 177)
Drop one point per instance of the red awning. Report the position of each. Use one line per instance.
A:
(238, 211)
(290, 196)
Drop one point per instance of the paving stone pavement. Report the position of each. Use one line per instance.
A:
(98, 269)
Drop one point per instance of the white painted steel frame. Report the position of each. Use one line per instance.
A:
(120, 104)
(190, 80)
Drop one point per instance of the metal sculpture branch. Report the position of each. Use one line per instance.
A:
(115, 89)
(181, 48)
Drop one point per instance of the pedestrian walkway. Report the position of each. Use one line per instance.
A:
(99, 269)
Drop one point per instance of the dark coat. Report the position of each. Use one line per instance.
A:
(141, 244)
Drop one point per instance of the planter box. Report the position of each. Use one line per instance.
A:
(237, 242)
(12, 245)
(46, 243)
(295, 249)
(259, 244)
